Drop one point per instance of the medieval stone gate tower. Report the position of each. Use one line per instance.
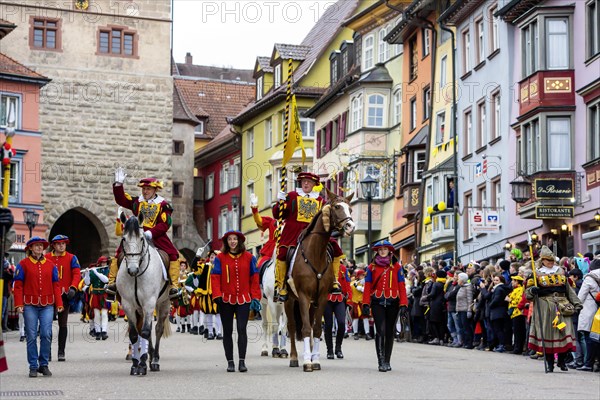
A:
(109, 103)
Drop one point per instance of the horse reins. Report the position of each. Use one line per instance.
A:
(141, 253)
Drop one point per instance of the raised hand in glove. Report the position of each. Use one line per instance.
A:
(120, 175)
(366, 310)
(6, 218)
(281, 196)
(253, 200)
(255, 305)
(71, 294)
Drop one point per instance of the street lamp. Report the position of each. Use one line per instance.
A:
(31, 219)
(521, 189)
(368, 187)
(597, 216)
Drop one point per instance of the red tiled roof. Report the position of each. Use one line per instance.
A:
(214, 99)
(8, 66)
(181, 111)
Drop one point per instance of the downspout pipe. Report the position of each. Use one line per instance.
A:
(456, 180)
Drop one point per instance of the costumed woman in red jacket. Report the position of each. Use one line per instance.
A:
(235, 290)
(385, 293)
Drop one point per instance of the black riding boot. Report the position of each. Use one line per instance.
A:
(389, 345)
(550, 362)
(329, 344)
(380, 353)
(62, 341)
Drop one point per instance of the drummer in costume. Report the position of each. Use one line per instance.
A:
(386, 293)
(98, 277)
(69, 275)
(157, 221)
(551, 328)
(299, 208)
(234, 281)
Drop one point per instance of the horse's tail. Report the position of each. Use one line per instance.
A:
(167, 327)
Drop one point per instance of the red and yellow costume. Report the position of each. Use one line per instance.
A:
(299, 209)
(344, 280)
(36, 283)
(234, 278)
(264, 223)
(385, 283)
(69, 270)
(157, 220)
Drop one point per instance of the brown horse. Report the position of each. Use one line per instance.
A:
(311, 277)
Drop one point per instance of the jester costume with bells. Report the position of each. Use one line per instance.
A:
(157, 221)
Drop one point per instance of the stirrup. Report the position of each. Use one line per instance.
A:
(173, 292)
(111, 289)
(282, 295)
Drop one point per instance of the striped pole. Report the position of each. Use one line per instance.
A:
(283, 182)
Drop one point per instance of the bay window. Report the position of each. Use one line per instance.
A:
(559, 140)
(356, 107)
(546, 143)
(593, 134)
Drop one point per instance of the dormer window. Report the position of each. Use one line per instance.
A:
(347, 56)
(199, 129)
(259, 88)
(334, 62)
(277, 75)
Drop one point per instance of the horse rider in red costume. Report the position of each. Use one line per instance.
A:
(299, 208)
(157, 221)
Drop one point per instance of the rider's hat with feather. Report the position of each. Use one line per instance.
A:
(151, 182)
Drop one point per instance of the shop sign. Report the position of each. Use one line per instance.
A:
(554, 212)
(554, 188)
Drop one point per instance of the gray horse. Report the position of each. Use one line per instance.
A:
(142, 284)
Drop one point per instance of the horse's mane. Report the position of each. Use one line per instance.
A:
(132, 226)
(313, 222)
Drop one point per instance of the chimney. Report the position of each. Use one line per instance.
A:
(188, 58)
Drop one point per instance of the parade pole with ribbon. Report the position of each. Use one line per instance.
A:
(283, 181)
(535, 300)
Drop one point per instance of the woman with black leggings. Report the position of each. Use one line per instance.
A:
(385, 293)
(235, 290)
(336, 308)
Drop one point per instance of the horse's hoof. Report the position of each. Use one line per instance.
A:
(308, 368)
(142, 370)
(316, 366)
(264, 353)
(294, 363)
(283, 354)
(133, 371)
(275, 353)
(154, 367)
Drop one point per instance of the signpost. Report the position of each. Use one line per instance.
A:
(484, 222)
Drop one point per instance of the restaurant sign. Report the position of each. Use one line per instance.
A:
(554, 188)
(554, 212)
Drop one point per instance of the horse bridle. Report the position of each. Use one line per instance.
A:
(144, 251)
(340, 228)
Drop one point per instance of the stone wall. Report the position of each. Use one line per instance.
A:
(99, 111)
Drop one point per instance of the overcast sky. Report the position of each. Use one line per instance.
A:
(233, 33)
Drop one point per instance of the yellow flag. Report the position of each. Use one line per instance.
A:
(294, 139)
